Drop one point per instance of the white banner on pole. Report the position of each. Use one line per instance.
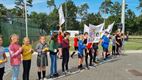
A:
(110, 27)
(95, 32)
(61, 16)
(86, 28)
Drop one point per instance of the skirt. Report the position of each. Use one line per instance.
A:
(42, 60)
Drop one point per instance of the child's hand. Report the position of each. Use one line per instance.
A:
(45, 50)
(1, 61)
(20, 48)
(55, 50)
(31, 50)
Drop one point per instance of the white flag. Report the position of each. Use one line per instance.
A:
(86, 28)
(110, 27)
(61, 16)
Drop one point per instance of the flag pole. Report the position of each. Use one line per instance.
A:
(26, 22)
(123, 16)
(66, 15)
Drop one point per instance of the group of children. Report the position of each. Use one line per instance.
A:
(58, 46)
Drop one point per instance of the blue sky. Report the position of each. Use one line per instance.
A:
(41, 6)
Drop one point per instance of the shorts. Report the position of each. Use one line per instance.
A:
(59, 45)
(105, 49)
(80, 55)
(42, 60)
(75, 48)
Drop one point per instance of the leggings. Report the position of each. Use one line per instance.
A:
(95, 54)
(86, 57)
(26, 69)
(113, 50)
(118, 49)
(65, 60)
(1, 73)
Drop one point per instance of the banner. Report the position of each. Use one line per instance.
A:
(110, 27)
(61, 16)
(95, 33)
(86, 28)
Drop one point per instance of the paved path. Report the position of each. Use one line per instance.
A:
(117, 69)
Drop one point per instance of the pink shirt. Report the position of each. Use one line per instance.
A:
(15, 54)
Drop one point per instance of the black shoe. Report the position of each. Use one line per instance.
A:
(51, 76)
(72, 54)
(87, 67)
(56, 75)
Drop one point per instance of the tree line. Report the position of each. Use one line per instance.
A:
(77, 16)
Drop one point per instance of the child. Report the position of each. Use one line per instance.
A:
(27, 56)
(75, 45)
(42, 61)
(65, 52)
(118, 43)
(81, 48)
(60, 39)
(15, 55)
(95, 48)
(53, 55)
(105, 45)
(3, 59)
(113, 44)
(88, 52)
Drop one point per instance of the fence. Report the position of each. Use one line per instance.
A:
(17, 26)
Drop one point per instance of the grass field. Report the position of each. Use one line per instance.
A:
(134, 43)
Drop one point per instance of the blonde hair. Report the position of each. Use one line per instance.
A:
(25, 39)
(13, 36)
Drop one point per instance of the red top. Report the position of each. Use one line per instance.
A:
(15, 54)
(76, 42)
(89, 45)
(60, 39)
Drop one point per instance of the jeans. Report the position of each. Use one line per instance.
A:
(65, 60)
(53, 67)
(15, 72)
(1, 73)
(26, 69)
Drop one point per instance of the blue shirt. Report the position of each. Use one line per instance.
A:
(81, 47)
(105, 42)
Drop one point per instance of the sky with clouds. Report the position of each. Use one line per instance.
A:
(41, 6)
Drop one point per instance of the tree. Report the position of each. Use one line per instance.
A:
(3, 10)
(72, 23)
(115, 9)
(51, 3)
(20, 6)
(106, 6)
(140, 5)
(83, 10)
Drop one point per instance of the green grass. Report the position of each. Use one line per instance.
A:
(134, 43)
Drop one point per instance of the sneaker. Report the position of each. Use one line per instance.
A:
(87, 67)
(56, 75)
(64, 72)
(68, 71)
(51, 76)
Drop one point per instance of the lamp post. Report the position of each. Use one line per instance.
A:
(26, 22)
(123, 16)
(66, 15)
